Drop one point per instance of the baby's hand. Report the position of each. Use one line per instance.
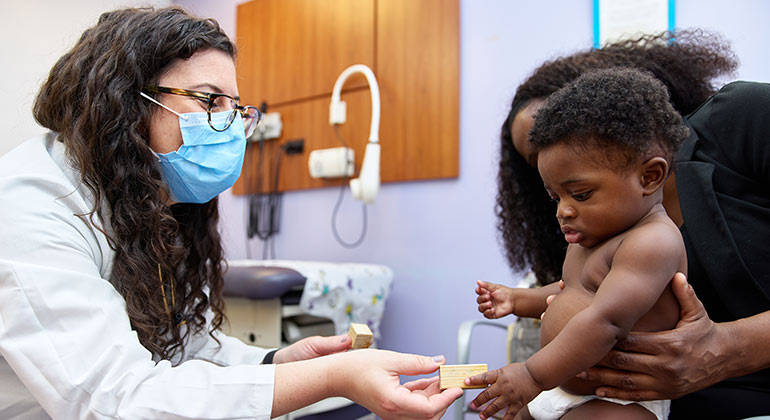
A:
(511, 386)
(495, 300)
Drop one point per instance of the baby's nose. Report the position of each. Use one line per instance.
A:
(564, 211)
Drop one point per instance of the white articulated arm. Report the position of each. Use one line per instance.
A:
(367, 185)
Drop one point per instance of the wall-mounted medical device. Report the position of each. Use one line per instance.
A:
(269, 127)
(367, 185)
(332, 163)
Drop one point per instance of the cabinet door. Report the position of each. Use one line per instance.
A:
(290, 50)
(418, 63)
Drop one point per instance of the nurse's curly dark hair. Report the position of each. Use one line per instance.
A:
(687, 62)
(91, 99)
(624, 112)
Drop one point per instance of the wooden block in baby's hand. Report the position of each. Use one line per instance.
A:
(451, 376)
(360, 336)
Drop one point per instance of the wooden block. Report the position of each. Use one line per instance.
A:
(361, 336)
(454, 375)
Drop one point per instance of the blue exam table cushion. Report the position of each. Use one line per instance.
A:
(258, 282)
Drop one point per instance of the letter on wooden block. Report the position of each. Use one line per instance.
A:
(361, 336)
(451, 376)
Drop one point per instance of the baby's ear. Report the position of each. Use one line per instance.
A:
(653, 174)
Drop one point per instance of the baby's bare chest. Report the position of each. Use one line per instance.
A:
(586, 268)
(583, 272)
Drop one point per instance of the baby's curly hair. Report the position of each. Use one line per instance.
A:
(622, 111)
(689, 62)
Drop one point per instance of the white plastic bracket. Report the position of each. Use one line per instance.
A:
(338, 112)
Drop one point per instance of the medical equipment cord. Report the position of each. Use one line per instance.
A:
(264, 209)
(274, 206)
(343, 187)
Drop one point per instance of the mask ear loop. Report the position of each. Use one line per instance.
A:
(151, 99)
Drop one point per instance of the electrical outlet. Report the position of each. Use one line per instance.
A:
(293, 147)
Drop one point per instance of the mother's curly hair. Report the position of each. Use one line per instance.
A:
(91, 99)
(687, 62)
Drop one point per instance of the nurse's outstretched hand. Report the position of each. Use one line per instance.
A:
(378, 386)
(666, 364)
(312, 347)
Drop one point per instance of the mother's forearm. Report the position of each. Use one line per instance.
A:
(746, 341)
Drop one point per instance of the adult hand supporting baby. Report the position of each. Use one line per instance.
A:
(550, 298)
(666, 364)
(312, 347)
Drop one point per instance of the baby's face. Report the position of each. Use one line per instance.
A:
(594, 202)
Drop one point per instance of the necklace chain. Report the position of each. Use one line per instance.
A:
(163, 292)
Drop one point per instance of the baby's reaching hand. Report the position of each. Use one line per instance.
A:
(495, 300)
(511, 386)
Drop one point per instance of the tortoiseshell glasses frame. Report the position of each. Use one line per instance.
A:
(214, 103)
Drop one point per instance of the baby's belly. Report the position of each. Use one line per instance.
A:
(566, 304)
(563, 307)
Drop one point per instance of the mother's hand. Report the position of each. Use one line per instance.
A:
(550, 298)
(666, 364)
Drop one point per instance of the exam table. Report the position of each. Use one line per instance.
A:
(273, 303)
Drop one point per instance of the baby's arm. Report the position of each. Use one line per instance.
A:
(642, 268)
(496, 300)
(631, 288)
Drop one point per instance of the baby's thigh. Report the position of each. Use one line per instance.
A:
(523, 414)
(599, 409)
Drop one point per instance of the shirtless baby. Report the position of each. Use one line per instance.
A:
(605, 147)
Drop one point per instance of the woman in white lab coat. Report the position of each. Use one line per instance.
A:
(110, 260)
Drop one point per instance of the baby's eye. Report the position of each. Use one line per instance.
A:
(582, 196)
(555, 199)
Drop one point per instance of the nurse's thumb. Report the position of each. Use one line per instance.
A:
(334, 344)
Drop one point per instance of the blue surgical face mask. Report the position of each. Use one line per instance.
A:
(208, 162)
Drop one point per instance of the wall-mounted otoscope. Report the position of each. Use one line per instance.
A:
(367, 185)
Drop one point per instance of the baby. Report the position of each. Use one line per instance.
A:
(605, 147)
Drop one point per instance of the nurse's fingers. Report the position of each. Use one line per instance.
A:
(421, 384)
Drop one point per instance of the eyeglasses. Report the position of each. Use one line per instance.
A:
(215, 102)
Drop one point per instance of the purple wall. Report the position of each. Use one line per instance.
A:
(440, 236)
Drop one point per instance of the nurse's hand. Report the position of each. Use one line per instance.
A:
(372, 379)
(312, 347)
(666, 364)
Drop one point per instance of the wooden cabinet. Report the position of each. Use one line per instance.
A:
(292, 50)
(290, 53)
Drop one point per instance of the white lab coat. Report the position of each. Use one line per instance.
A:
(68, 351)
